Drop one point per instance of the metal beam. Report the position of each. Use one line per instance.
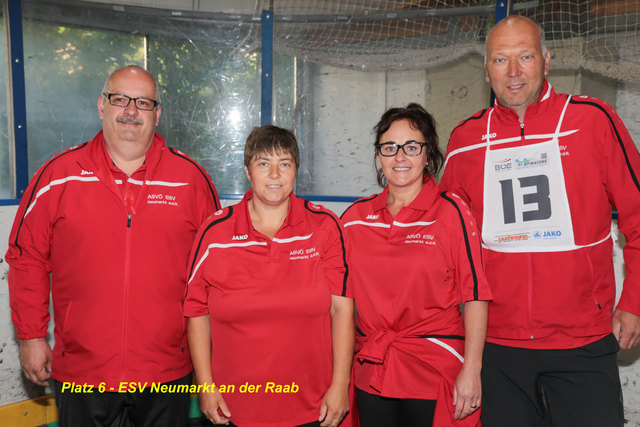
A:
(294, 18)
(16, 95)
(267, 68)
(503, 9)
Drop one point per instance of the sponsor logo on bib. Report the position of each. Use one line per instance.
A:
(526, 162)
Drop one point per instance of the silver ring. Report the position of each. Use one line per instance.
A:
(474, 406)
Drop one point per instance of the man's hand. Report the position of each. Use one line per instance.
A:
(626, 329)
(35, 358)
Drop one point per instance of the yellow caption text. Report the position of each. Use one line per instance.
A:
(152, 387)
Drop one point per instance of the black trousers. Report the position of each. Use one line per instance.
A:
(312, 424)
(136, 409)
(380, 411)
(558, 388)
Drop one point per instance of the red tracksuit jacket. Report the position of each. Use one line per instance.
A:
(559, 296)
(116, 249)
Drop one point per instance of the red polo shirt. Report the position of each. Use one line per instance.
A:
(409, 275)
(268, 302)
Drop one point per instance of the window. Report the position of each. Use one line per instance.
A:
(211, 101)
(65, 69)
(209, 75)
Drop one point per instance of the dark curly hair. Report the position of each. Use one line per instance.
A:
(420, 120)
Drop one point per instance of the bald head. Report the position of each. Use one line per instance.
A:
(515, 21)
(516, 63)
(133, 70)
(129, 115)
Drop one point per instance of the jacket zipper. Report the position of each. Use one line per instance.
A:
(530, 295)
(127, 261)
(530, 274)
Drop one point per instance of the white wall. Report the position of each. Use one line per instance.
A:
(628, 107)
(13, 386)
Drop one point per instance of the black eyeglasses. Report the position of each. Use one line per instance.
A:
(410, 148)
(120, 100)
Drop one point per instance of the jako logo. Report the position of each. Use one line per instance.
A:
(554, 233)
(372, 216)
(84, 172)
(240, 237)
(490, 135)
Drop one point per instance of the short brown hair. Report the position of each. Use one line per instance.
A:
(271, 139)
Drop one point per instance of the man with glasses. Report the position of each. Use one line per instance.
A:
(541, 172)
(112, 222)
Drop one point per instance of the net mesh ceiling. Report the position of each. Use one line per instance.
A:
(381, 35)
(600, 36)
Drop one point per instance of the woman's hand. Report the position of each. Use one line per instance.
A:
(335, 402)
(212, 403)
(467, 392)
(214, 407)
(335, 405)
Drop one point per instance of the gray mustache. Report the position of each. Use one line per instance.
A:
(129, 120)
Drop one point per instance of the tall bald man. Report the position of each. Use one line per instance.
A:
(541, 172)
(106, 227)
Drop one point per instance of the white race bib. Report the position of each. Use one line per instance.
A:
(526, 208)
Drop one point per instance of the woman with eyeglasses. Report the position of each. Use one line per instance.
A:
(416, 256)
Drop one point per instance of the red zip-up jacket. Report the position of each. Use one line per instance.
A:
(558, 298)
(116, 249)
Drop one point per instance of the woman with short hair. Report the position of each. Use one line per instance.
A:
(269, 309)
